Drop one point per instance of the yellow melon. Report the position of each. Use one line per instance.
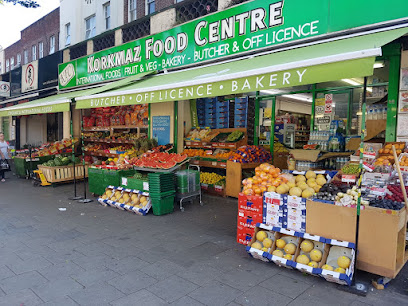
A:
(277, 253)
(288, 256)
(327, 267)
(267, 242)
(261, 235)
(303, 259)
(340, 270)
(313, 264)
(290, 248)
(307, 246)
(280, 243)
(316, 255)
(310, 174)
(343, 262)
(256, 245)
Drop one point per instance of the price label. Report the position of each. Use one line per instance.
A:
(218, 188)
(124, 181)
(145, 185)
(213, 163)
(348, 178)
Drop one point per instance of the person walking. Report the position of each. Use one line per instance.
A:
(4, 155)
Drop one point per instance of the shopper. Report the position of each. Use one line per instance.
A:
(4, 155)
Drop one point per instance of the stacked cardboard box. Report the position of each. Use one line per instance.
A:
(249, 214)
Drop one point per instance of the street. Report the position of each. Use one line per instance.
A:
(95, 255)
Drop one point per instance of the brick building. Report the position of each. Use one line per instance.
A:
(37, 41)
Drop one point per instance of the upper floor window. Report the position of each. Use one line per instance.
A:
(90, 27)
(18, 64)
(52, 44)
(12, 63)
(150, 6)
(132, 10)
(67, 34)
(7, 65)
(25, 57)
(178, 1)
(107, 15)
(40, 49)
(34, 52)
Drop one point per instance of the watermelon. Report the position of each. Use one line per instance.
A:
(65, 161)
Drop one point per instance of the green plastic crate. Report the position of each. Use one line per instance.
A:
(134, 183)
(23, 167)
(162, 205)
(96, 181)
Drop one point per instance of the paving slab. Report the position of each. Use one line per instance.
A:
(94, 276)
(31, 264)
(143, 297)
(172, 288)
(215, 294)
(132, 282)
(57, 288)
(285, 285)
(260, 296)
(22, 281)
(186, 300)
(98, 294)
(61, 270)
(61, 301)
(162, 269)
(24, 297)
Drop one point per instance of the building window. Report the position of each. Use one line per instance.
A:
(18, 64)
(107, 15)
(67, 34)
(12, 63)
(90, 27)
(178, 1)
(150, 6)
(25, 57)
(7, 66)
(40, 49)
(34, 52)
(52, 44)
(132, 10)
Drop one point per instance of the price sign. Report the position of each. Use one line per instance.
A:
(328, 103)
(145, 185)
(348, 178)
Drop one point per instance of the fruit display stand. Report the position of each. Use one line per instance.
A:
(63, 173)
(234, 177)
(23, 166)
(381, 235)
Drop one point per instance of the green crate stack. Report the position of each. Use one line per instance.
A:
(187, 181)
(96, 181)
(162, 192)
(135, 183)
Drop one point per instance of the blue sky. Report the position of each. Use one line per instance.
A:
(14, 18)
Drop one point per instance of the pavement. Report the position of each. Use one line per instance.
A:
(95, 255)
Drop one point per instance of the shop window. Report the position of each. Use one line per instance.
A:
(90, 27)
(12, 63)
(7, 65)
(40, 49)
(132, 10)
(67, 34)
(107, 15)
(52, 44)
(34, 52)
(18, 64)
(150, 6)
(25, 57)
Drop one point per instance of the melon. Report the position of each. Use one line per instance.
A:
(343, 262)
(307, 193)
(303, 259)
(290, 248)
(256, 245)
(277, 253)
(291, 184)
(307, 246)
(286, 187)
(300, 178)
(264, 249)
(327, 267)
(267, 242)
(303, 185)
(340, 270)
(311, 183)
(317, 188)
(310, 174)
(313, 264)
(281, 189)
(261, 235)
(295, 191)
(316, 255)
(321, 181)
(271, 188)
(280, 243)
(288, 256)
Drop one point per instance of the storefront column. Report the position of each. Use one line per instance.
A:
(66, 127)
(183, 123)
(163, 109)
(393, 52)
(76, 122)
(23, 131)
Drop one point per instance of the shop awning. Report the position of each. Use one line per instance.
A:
(330, 61)
(61, 102)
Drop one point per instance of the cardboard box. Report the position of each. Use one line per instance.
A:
(260, 254)
(250, 203)
(305, 155)
(244, 235)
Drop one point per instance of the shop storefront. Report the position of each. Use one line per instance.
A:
(274, 104)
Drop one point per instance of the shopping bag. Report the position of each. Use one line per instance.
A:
(4, 165)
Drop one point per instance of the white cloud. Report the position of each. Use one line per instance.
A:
(14, 18)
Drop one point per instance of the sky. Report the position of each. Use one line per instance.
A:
(14, 18)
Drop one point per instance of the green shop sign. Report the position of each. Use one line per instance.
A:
(41, 109)
(252, 26)
(279, 79)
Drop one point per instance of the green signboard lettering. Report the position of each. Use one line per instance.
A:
(253, 26)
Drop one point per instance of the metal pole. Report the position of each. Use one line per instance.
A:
(75, 197)
(256, 123)
(175, 126)
(312, 117)
(272, 137)
(84, 200)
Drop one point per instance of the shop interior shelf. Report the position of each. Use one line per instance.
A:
(104, 140)
(101, 154)
(113, 127)
(210, 164)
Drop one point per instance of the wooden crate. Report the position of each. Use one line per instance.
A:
(63, 173)
(234, 177)
(381, 248)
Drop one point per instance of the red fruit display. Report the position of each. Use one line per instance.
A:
(160, 160)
